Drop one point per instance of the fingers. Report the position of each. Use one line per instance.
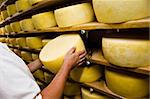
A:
(72, 50)
(83, 55)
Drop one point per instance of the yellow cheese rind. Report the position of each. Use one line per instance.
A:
(15, 26)
(127, 85)
(117, 11)
(39, 74)
(35, 56)
(26, 56)
(21, 41)
(126, 52)
(27, 25)
(2, 39)
(86, 74)
(74, 15)
(4, 14)
(71, 89)
(8, 29)
(44, 20)
(34, 42)
(3, 31)
(22, 5)
(86, 94)
(32, 2)
(45, 41)
(11, 9)
(12, 41)
(53, 59)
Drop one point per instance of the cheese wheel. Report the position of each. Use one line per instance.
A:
(26, 25)
(35, 56)
(32, 2)
(1, 18)
(8, 29)
(86, 74)
(21, 41)
(44, 20)
(71, 89)
(17, 52)
(117, 11)
(48, 77)
(74, 15)
(53, 53)
(2, 39)
(126, 52)
(7, 40)
(86, 94)
(45, 41)
(22, 5)
(12, 41)
(3, 31)
(26, 56)
(4, 14)
(15, 26)
(39, 74)
(34, 42)
(127, 85)
(11, 9)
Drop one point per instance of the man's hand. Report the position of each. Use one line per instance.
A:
(73, 58)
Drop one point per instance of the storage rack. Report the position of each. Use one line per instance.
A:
(96, 56)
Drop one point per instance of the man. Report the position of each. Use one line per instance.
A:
(17, 82)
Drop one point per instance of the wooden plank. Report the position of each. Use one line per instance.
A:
(97, 57)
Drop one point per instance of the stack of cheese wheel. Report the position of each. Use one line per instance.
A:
(117, 11)
(8, 29)
(39, 74)
(34, 42)
(44, 20)
(86, 94)
(3, 31)
(22, 5)
(53, 53)
(27, 25)
(74, 15)
(15, 26)
(26, 56)
(21, 41)
(71, 89)
(4, 14)
(32, 2)
(126, 52)
(127, 85)
(12, 41)
(86, 74)
(2, 39)
(1, 18)
(11, 9)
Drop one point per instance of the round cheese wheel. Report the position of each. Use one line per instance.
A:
(3, 31)
(22, 5)
(86, 74)
(48, 77)
(71, 89)
(4, 14)
(32, 2)
(39, 74)
(44, 20)
(45, 41)
(35, 56)
(34, 42)
(8, 29)
(117, 11)
(2, 39)
(26, 56)
(86, 94)
(1, 18)
(127, 85)
(12, 41)
(53, 59)
(15, 26)
(74, 15)
(27, 25)
(21, 41)
(11, 9)
(126, 52)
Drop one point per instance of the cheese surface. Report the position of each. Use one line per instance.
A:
(126, 52)
(15, 26)
(21, 41)
(48, 77)
(53, 53)
(86, 94)
(11, 9)
(27, 25)
(86, 74)
(44, 20)
(22, 5)
(35, 56)
(34, 42)
(8, 29)
(32, 2)
(4, 14)
(39, 74)
(127, 85)
(26, 56)
(117, 11)
(74, 15)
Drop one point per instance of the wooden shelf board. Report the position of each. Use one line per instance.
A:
(97, 57)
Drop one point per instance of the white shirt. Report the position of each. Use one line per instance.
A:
(16, 80)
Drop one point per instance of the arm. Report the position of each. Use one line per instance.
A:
(55, 89)
(33, 66)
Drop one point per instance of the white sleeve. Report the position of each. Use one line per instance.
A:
(16, 81)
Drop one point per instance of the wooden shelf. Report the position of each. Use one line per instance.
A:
(97, 57)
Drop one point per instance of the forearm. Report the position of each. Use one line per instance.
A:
(33, 66)
(55, 89)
